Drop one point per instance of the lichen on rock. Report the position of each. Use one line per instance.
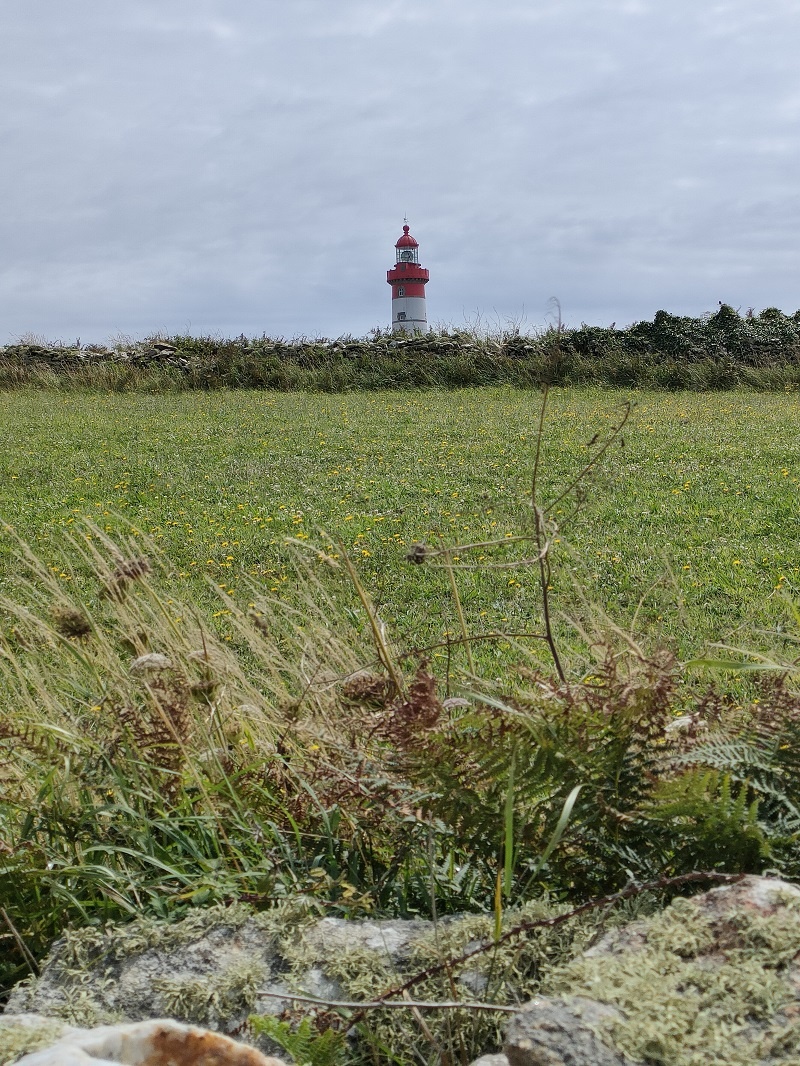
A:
(213, 998)
(21, 1034)
(219, 966)
(204, 968)
(714, 979)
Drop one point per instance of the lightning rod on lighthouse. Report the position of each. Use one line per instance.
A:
(408, 280)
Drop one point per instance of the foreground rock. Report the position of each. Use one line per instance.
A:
(214, 968)
(154, 1043)
(562, 1032)
(221, 965)
(711, 980)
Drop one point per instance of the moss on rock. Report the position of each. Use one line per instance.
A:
(699, 988)
(210, 999)
(22, 1034)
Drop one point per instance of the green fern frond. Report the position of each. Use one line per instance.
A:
(305, 1044)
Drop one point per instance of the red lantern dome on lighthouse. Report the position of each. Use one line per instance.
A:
(408, 280)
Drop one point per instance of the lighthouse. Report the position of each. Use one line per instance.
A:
(408, 280)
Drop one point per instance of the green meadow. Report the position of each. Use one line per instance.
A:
(688, 532)
(202, 706)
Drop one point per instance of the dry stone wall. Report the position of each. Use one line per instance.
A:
(711, 979)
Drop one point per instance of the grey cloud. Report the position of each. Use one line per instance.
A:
(245, 166)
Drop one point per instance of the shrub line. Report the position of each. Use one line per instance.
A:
(711, 352)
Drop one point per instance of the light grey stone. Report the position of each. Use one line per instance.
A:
(218, 966)
(573, 1030)
(561, 1032)
(213, 976)
(498, 1059)
(763, 895)
(152, 661)
(391, 939)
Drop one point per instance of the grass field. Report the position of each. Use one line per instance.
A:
(149, 767)
(697, 516)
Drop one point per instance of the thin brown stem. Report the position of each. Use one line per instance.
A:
(539, 437)
(403, 1004)
(594, 459)
(544, 585)
(462, 622)
(23, 947)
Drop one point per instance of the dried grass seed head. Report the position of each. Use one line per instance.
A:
(125, 572)
(131, 570)
(69, 621)
(417, 554)
(151, 662)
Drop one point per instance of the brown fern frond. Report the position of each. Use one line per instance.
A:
(34, 739)
(367, 690)
(414, 713)
(159, 726)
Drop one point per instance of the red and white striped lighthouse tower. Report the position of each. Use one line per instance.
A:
(408, 280)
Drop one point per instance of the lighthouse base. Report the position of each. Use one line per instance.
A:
(409, 314)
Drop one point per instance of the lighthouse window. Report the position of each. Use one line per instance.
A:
(401, 316)
(400, 290)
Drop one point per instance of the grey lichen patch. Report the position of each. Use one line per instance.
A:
(81, 948)
(700, 988)
(211, 999)
(286, 922)
(18, 1037)
(84, 1007)
(516, 969)
(80, 998)
(23, 993)
(102, 975)
(450, 939)
(212, 967)
(682, 930)
(363, 973)
(510, 972)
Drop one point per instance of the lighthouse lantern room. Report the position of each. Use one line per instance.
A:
(408, 280)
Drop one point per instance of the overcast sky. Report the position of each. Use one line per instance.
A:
(232, 166)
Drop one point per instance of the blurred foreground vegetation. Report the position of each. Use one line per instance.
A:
(151, 765)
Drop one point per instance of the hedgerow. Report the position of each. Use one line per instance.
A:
(721, 351)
